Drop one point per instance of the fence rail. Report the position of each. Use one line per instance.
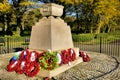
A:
(112, 48)
(13, 44)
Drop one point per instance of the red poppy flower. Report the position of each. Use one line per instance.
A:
(12, 66)
(33, 69)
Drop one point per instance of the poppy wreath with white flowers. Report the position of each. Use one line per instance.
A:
(31, 62)
(65, 56)
(72, 54)
(21, 67)
(68, 56)
(32, 69)
(12, 66)
(32, 57)
(84, 56)
(23, 55)
(27, 63)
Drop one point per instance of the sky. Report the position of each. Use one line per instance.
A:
(10, 1)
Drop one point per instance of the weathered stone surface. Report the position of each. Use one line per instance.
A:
(51, 9)
(52, 73)
(51, 33)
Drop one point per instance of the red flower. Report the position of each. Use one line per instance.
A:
(27, 64)
(33, 69)
(84, 56)
(23, 55)
(21, 67)
(12, 66)
(81, 53)
(46, 78)
(72, 54)
(68, 55)
(31, 57)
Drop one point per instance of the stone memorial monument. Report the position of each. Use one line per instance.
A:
(51, 32)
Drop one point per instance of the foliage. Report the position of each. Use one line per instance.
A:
(95, 38)
(73, 2)
(69, 19)
(19, 7)
(47, 1)
(84, 16)
(106, 10)
(103, 35)
(82, 37)
(116, 34)
(29, 19)
(12, 14)
(93, 16)
(5, 7)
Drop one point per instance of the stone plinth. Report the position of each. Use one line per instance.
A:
(52, 73)
(64, 67)
(51, 33)
(60, 69)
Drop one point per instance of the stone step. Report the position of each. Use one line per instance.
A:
(52, 73)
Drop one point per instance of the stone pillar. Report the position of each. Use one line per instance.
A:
(50, 32)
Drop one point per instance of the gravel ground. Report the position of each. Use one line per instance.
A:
(101, 67)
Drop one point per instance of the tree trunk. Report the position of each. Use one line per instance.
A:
(19, 25)
(109, 28)
(77, 18)
(99, 27)
(91, 30)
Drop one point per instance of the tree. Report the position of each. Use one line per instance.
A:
(76, 9)
(5, 14)
(17, 8)
(90, 13)
(29, 19)
(106, 10)
(4, 6)
(48, 1)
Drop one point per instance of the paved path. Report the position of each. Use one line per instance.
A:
(101, 67)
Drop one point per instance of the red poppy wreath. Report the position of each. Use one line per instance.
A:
(32, 69)
(12, 66)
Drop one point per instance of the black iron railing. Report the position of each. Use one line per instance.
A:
(101, 45)
(13, 44)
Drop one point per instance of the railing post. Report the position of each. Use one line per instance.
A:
(8, 44)
(100, 44)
